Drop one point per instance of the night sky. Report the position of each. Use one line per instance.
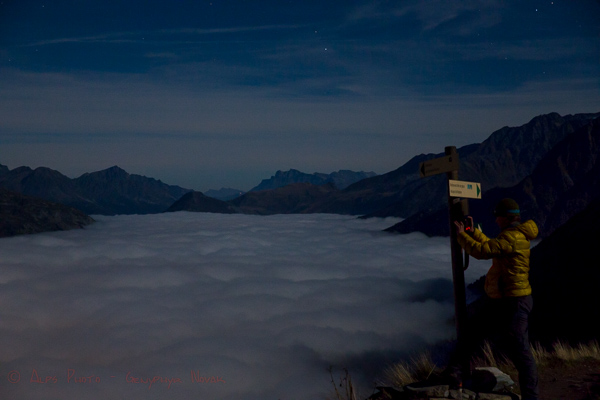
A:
(223, 93)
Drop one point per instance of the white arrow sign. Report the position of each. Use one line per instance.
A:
(471, 190)
(438, 165)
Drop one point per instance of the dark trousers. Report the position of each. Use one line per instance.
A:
(504, 322)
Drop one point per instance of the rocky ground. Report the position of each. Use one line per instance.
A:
(559, 380)
(574, 381)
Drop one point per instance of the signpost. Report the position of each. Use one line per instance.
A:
(438, 165)
(470, 190)
(458, 208)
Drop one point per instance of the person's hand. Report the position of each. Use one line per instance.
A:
(460, 227)
(469, 226)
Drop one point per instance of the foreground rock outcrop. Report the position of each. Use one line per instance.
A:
(488, 383)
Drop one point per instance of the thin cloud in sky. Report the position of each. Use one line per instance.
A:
(266, 304)
(149, 37)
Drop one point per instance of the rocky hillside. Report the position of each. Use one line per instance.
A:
(21, 214)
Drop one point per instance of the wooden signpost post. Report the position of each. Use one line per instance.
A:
(458, 208)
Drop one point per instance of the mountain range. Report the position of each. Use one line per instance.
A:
(340, 179)
(562, 183)
(108, 192)
(549, 165)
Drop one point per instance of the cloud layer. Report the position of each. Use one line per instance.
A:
(188, 305)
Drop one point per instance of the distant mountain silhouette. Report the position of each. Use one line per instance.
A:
(20, 214)
(562, 184)
(340, 179)
(198, 202)
(114, 191)
(504, 159)
(289, 199)
(540, 164)
(108, 192)
(284, 193)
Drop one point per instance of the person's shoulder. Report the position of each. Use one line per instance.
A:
(529, 229)
(518, 231)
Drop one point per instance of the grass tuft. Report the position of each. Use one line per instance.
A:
(568, 353)
(344, 390)
(419, 368)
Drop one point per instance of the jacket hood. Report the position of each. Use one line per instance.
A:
(529, 229)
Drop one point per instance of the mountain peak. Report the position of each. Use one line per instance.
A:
(115, 170)
(113, 173)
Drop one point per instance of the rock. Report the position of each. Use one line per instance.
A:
(491, 379)
(419, 391)
(465, 395)
(387, 393)
(488, 383)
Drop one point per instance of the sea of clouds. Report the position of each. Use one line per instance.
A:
(211, 306)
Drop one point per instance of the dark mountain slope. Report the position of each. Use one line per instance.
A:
(562, 184)
(42, 182)
(197, 202)
(565, 277)
(374, 194)
(505, 158)
(224, 194)
(290, 199)
(340, 179)
(511, 154)
(20, 214)
(114, 191)
(111, 191)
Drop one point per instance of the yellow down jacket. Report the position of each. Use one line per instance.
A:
(509, 274)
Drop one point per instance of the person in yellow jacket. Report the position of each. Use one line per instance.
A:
(509, 302)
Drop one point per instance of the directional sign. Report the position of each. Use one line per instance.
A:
(438, 165)
(470, 190)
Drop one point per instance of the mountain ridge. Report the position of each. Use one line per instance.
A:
(563, 182)
(510, 155)
(340, 179)
(109, 192)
